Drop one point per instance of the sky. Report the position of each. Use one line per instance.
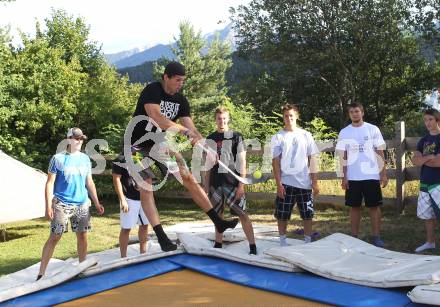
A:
(123, 25)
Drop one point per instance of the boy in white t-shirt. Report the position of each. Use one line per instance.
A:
(294, 165)
(360, 148)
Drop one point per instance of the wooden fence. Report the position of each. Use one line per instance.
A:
(400, 173)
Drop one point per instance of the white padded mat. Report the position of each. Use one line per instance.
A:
(342, 257)
(239, 251)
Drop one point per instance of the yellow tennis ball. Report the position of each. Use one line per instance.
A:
(257, 174)
(137, 158)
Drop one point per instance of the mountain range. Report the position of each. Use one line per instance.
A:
(138, 56)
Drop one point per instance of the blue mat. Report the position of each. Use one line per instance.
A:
(77, 288)
(301, 285)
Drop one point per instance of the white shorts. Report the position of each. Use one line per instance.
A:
(425, 209)
(135, 215)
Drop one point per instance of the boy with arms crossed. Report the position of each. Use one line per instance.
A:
(428, 157)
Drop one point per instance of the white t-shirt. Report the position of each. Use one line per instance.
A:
(360, 144)
(294, 147)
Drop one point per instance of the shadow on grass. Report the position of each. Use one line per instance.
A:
(6, 236)
(27, 227)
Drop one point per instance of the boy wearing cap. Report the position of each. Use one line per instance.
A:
(131, 210)
(69, 183)
(162, 105)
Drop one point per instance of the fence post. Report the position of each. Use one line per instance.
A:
(2, 234)
(400, 165)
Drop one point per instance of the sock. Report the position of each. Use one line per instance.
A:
(39, 276)
(307, 239)
(218, 245)
(220, 224)
(252, 249)
(165, 244)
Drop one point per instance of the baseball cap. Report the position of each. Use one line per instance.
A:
(76, 133)
(174, 68)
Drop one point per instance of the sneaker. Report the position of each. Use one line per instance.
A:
(424, 247)
(284, 243)
(307, 239)
(378, 242)
(315, 235)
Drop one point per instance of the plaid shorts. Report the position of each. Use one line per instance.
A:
(428, 203)
(302, 197)
(79, 216)
(226, 195)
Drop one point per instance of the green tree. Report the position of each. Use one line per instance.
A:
(6, 111)
(325, 54)
(57, 80)
(71, 34)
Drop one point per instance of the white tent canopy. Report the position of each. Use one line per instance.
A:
(21, 191)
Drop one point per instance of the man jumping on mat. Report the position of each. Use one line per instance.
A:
(160, 105)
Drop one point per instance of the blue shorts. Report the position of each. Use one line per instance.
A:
(302, 197)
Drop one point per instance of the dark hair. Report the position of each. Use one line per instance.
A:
(290, 106)
(432, 112)
(354, 105)
(174, 69)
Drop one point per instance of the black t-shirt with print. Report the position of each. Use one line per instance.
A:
(429, 145)
(228, 145)
(129, 186)
(171, 106)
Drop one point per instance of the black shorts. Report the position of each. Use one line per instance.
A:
(302, 197)
(155, 169)
(368, 190)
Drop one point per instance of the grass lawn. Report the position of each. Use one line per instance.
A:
(25, 239)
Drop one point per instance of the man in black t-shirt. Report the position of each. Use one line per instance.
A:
(222, 187)
(159, 106)
(129, 201)
(428, 157)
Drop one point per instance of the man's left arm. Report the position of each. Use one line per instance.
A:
(380, 157)
(192, 132)
(434, 162)
(379, 148)
(91, 188)
(312, 156)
